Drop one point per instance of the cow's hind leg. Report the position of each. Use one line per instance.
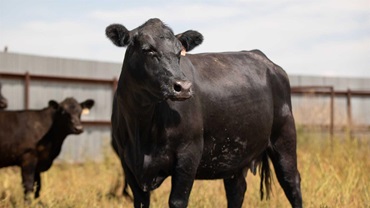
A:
(235, 188)
(283, 155)
(37, 183)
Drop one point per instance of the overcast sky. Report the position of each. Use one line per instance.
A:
(316, 37)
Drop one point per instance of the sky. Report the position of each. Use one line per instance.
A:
(315, 37)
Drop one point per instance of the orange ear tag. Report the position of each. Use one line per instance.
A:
(183, 52)
(85, 111)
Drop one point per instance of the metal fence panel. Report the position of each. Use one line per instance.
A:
(308, 109)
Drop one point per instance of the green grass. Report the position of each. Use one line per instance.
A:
(333, 175)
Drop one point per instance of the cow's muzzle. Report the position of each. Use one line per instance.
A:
(78, 129)
(181, 90)
(3, 103)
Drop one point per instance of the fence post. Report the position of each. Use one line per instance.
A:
(115, 83)
(331, 112)
(114, 87)
(349, 114)
(27, 79)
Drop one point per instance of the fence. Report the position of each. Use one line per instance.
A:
(91, 141)
(330, 92)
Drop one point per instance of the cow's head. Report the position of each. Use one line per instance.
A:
(68, 114)
(3, 101)
(153, 58)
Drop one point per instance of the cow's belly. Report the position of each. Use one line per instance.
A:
(234, 137)
(11, 153)
(224, 159)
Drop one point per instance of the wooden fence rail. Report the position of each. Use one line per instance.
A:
(27, 77)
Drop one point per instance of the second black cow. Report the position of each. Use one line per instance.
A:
(32, 139)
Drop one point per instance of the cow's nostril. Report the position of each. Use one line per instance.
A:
(177, 87)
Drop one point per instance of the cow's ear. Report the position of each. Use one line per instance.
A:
(190, 39)
(54, 104)
(87, 104)
(118, 34)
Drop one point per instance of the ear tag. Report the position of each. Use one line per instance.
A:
(183, 52)
(85, 111)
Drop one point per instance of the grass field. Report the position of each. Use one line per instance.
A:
(333, 175)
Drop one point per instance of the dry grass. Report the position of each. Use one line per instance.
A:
(333, 175)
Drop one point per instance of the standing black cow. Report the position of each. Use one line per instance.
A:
(32, 139)
(3, 101)
(235, 112)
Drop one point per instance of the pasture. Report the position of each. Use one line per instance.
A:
(333, 175)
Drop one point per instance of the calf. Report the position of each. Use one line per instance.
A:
(32, 139)
(3, 101)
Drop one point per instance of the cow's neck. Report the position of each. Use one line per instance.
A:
(140, 112)
(53, 140)
(48, 117)
(56, 134)
(136, 102)
(139, 116)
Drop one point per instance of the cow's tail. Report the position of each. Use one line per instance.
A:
(265, 173)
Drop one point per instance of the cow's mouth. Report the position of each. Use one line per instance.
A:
(180, 97)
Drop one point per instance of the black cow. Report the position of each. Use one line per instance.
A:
(32, 139)
(202, 116)
(3, 101)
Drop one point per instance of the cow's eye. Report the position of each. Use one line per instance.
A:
(149, 51)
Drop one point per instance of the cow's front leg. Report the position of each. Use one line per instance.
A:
(28, 167)
(141, 198)
(183, 178)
